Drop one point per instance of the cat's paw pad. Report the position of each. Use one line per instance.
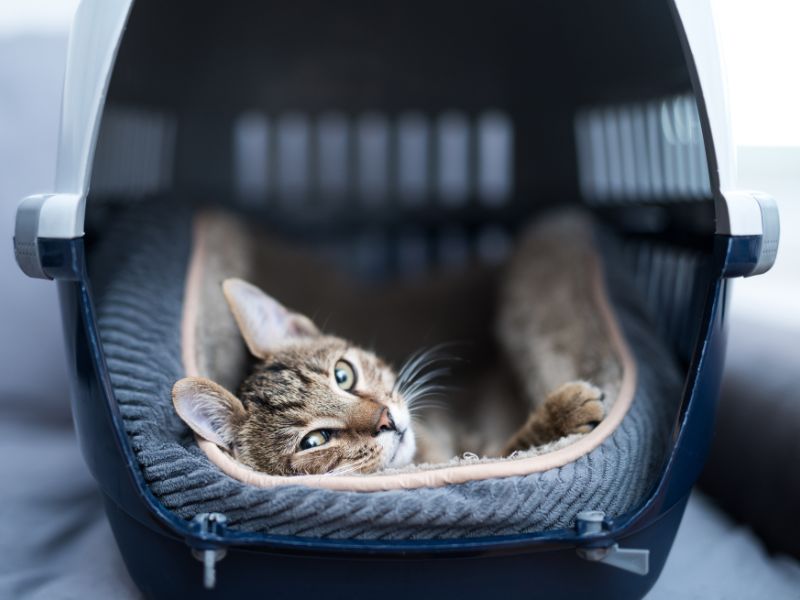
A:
(575, 407)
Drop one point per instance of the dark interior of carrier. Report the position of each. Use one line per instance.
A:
(417, 135)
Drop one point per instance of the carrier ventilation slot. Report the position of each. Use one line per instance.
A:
(135, 151)
(411, 251)
(642, 152)
(670, 281)
(368, 159)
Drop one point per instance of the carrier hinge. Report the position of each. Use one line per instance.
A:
(210, 524)
(634, 560)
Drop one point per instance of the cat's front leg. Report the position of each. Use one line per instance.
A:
(575, 407)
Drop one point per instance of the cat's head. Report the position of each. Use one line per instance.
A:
(313, 403)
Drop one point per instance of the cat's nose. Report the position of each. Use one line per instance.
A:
(385, 422)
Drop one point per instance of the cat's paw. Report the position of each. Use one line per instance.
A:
(575, 407)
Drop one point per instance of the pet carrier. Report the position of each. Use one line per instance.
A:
(397, 135)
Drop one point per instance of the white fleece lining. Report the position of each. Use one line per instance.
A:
(434, 477)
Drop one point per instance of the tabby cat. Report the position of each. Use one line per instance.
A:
(315, 403)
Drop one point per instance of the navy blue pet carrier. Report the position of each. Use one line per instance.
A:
(416, 129)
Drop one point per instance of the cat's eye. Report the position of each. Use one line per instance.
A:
(345, 375)
(316, 438)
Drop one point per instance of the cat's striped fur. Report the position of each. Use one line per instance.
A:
(292, 392)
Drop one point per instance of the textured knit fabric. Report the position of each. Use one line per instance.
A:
(138, 273)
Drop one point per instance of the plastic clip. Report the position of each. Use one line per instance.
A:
(210, 523)
(633, 560)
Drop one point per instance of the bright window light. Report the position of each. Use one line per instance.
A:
(761, 51)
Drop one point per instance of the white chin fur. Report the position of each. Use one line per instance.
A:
(398, 453)
(404, 450)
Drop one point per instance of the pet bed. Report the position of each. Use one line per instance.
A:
(144, 282)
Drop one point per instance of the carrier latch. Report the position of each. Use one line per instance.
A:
(752, 221)
(634, 560)
(56, 217)
(210, 523)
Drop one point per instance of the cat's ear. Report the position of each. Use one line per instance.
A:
(264, 322)
(209, 409)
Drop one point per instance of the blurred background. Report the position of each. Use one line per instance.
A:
(742, 523)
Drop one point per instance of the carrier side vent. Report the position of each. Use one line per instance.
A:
(452, 248)
(643, 152)
(453, 134)
(292, 157)
(252, 155)
(373, 158)
(412, 251)
(670, 282)
(413, 158)
(333, 147)
(411, 161)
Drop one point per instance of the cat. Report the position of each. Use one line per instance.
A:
(312, 404)
(315, 403)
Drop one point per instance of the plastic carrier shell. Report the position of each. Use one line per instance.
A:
(480, 108)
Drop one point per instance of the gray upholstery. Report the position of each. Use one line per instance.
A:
(138, 275)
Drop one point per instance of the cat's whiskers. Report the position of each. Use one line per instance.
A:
(346, 469)
(419, 368)
(431, 404)
(419, 416)
(354, 466)
(418, 381)
(426, 386)
(434, 398)
(419, 361)
(430, 397)
(421, 406)
(430, 391)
